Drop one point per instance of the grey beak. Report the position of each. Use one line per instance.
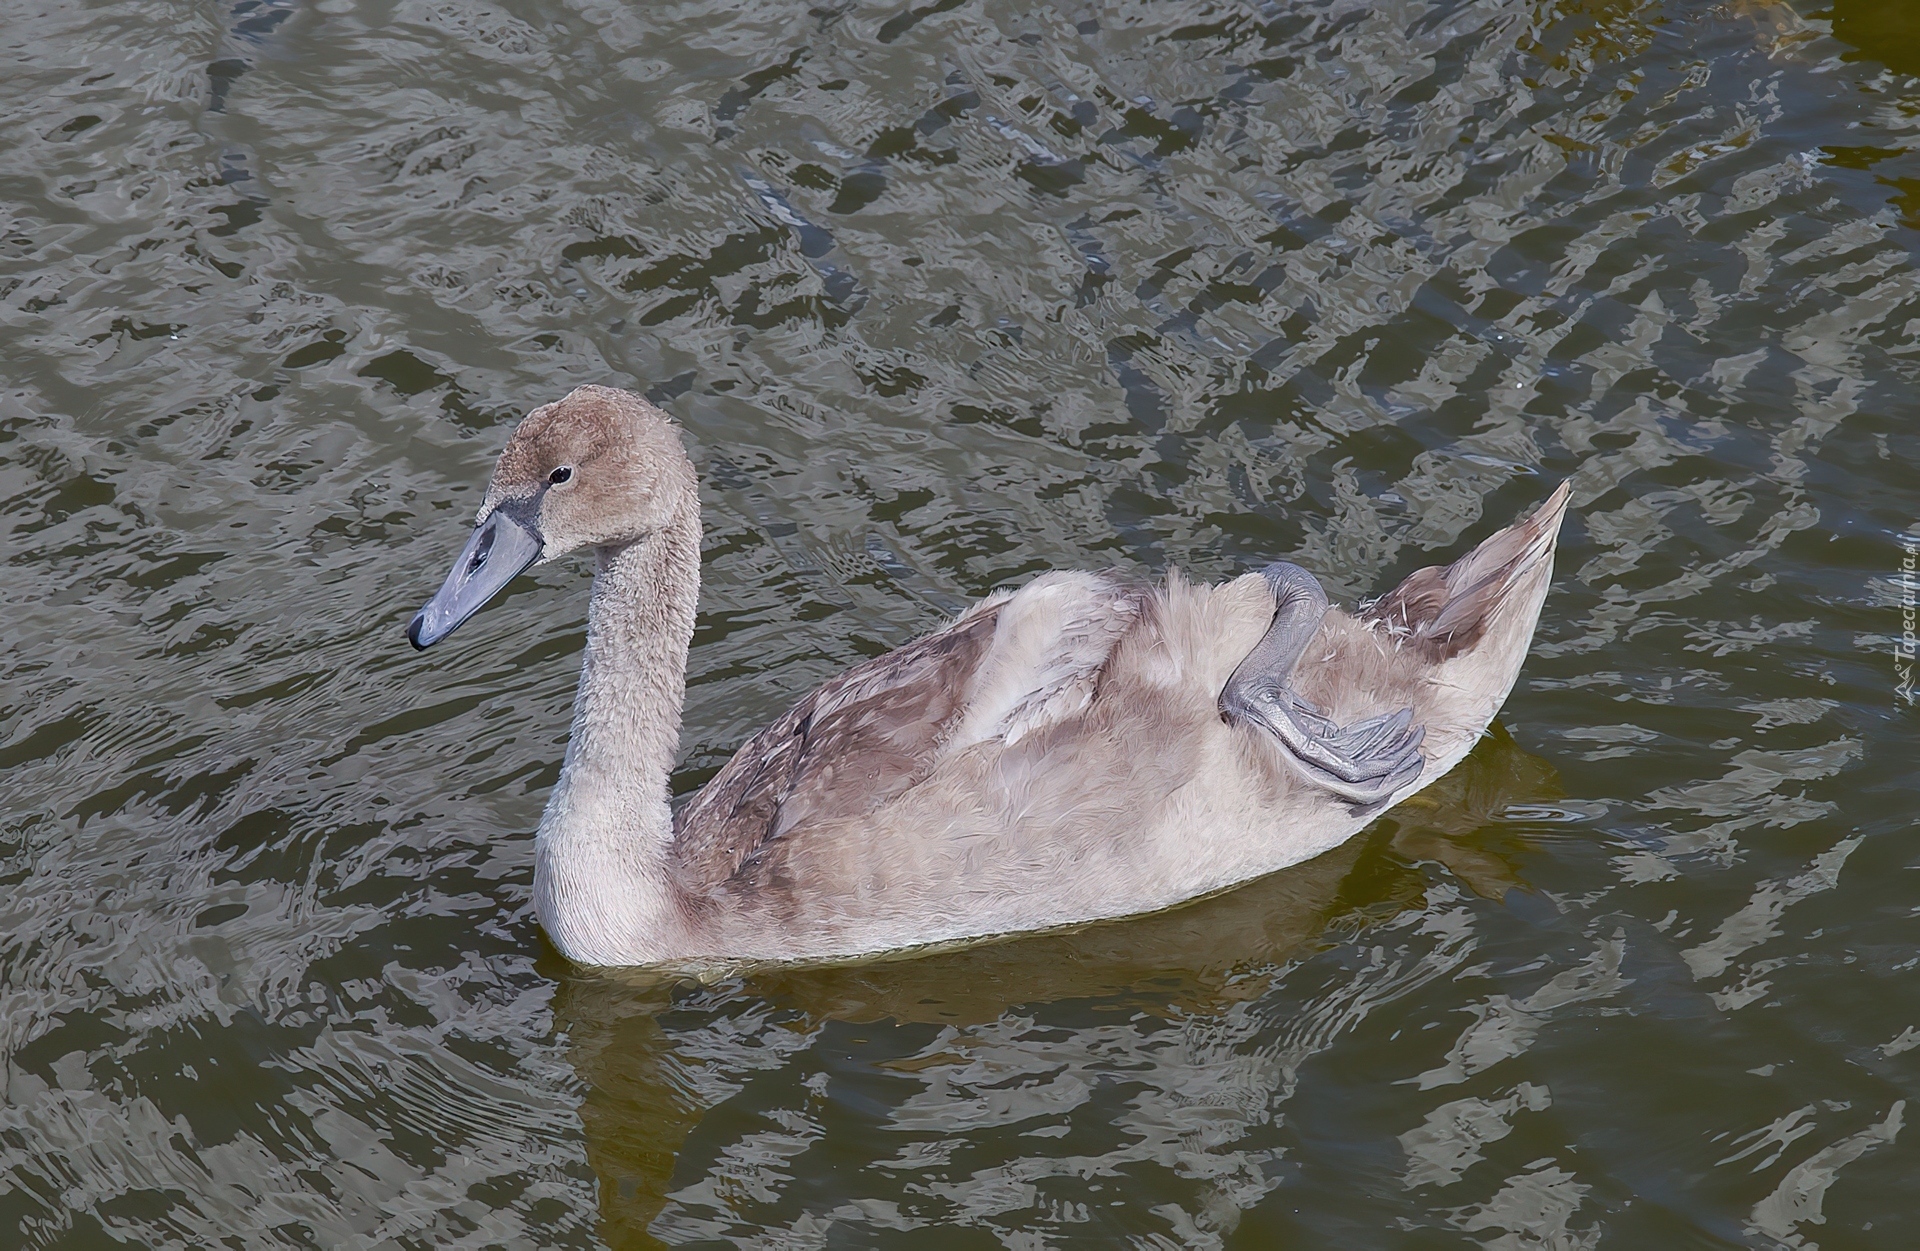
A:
(500, 548)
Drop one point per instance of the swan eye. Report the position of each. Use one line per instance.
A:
(560, 475)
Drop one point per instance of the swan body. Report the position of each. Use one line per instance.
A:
(1081, 748)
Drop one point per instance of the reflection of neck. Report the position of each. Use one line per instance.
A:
(601, 886)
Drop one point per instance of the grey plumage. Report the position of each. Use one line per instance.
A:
(1055, 755)
(841, 752)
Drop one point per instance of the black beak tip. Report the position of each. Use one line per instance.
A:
(413, 631)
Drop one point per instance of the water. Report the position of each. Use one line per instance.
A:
(946, 295)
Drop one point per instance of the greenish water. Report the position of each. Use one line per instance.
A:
(946, 295)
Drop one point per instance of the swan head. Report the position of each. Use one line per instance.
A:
(601, 468)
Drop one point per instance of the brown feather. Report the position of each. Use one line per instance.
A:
(841, 752)
(1443, 610)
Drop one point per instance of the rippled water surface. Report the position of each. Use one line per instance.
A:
(946, 295)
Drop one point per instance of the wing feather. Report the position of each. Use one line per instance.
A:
(1004, 669)
(842, 751)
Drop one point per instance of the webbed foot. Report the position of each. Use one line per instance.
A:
(1363, 763)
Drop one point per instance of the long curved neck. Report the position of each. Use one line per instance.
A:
(601, 885)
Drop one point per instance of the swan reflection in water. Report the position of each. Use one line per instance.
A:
(959, 1072)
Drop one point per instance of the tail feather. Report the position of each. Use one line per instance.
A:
(1444, 610)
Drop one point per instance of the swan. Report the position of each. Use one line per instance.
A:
(1082, 748)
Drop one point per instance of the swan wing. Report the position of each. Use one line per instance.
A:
(1006, 668)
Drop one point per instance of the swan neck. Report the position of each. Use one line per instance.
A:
(633, 681)
(601, 882)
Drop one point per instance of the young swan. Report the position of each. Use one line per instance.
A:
(1083, 747)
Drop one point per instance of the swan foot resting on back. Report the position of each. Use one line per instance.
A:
(1084, 747)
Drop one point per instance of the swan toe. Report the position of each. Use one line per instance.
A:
(1363, 763)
